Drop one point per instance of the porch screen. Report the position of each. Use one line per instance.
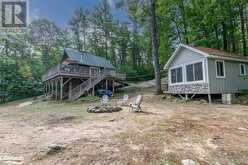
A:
(177, 75)
(194, 72)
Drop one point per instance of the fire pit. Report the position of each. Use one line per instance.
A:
(104, 109)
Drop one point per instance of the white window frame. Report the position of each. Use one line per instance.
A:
(170, 80)
(240, 70)
(185, 74)
(224, 69)
(203, 72)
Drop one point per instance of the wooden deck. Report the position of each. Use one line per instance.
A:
(80, 72)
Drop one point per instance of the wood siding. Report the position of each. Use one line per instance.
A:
(232, 83)
(185, 56)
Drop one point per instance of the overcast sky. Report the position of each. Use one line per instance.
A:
(60, 11)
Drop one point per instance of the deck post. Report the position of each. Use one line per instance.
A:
(187, 97)
(91, 84)
(52, 88)
(46, 88)
(70, 84)
(209, 99)
(49, 85)
(56, 88)
(93, 91)
(106, 83)
(113, 85)
(61, 88)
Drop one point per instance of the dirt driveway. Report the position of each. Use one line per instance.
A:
(165, 133)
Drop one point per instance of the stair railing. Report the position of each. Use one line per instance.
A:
(85, 86)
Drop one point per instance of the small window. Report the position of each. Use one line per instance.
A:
(177, 75)
(220, 69)
(194, 72)
(242, 69)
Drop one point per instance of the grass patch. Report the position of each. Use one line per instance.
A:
(57, 108)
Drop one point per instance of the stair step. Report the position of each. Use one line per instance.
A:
(85, 86)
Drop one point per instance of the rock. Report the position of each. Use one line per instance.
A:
(25, 104)
(112, 120)
(104, 109)
(242, 129)
(54, 149)
(188, 162)
(197, 102)
(10, 159)
(203, 101)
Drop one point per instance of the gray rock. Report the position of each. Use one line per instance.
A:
(104, 109)
(54, 149)
(188, 162)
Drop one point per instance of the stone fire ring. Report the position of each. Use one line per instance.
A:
(104, 109)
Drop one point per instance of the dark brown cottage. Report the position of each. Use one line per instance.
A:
(79, 74)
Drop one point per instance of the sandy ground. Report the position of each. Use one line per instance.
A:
(166, 132)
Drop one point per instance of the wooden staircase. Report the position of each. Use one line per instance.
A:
(85, 86)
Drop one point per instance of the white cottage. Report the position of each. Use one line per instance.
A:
(200, 70)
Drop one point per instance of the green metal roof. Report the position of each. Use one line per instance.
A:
(87, 59)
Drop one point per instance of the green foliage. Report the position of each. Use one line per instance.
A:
(142, 74)
(19, 82)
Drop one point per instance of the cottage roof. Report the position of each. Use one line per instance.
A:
(220, 53)
(209, 53)
(87, 59)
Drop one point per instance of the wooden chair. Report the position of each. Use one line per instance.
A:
(136, 106)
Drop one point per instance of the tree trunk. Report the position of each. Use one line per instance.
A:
(106, 45)
(224, 35)
(217, 36)
(246, 16)
(241, 11)
(134, 45)
(232, 29)
(184, 21)
(79, 45)
(155, 47)
(45, 53)
(84, 41)
(123, 52)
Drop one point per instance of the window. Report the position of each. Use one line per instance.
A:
(194, 72)
(198, 69)
(177, 75)
(242, 69)
(190, 73)
(220, 69)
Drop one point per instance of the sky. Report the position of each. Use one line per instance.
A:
(60, 11)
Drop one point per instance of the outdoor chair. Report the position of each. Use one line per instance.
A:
(124, 101)
(136, 106)
(104, 100)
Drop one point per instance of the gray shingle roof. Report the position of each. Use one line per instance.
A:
(87, 59)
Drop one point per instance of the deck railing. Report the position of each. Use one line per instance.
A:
(79, 71)
(114, 74)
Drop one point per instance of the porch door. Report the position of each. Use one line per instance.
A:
(94, 71)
